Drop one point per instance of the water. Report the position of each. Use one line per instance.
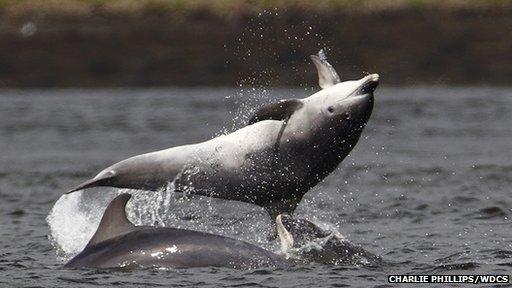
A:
(427, 187)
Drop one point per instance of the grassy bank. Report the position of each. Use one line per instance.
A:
(199, 42)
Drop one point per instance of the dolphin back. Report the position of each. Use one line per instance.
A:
(114, 221)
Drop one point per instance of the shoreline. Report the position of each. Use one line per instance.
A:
(200, 47)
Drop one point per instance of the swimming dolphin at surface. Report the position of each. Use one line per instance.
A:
(306, 241)
(118, 243)
(288, 147)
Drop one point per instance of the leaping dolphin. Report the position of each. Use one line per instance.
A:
(288, 147)
(117, 243)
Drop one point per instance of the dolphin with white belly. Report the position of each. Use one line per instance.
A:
(117, 243)
(288, 147)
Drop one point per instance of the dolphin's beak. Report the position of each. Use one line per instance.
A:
(370, 83)
(363, 90)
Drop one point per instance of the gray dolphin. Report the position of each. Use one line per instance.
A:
(310, 243)
(118, 243)
(287, 148)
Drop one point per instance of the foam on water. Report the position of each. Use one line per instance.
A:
(71, 227)
(75, 217)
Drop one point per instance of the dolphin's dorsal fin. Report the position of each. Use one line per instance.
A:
(281, 110)
(114, 222)
(327, 76)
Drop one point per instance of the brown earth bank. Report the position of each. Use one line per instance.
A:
(155, 46)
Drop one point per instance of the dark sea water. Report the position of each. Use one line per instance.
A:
(428, 187)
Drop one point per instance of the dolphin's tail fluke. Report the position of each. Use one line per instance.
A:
(87, 184)
(102, 179)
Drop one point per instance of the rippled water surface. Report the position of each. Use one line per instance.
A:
(428, 187)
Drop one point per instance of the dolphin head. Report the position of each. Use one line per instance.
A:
(341, 111)
(332, 119)
(301, 239)
(294, 233)
(349, 101)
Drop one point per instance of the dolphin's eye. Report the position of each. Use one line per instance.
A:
(330, 109)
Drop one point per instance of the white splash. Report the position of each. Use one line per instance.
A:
(75, 217)
(71, 227)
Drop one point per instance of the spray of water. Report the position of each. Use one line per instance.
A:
(75, 217)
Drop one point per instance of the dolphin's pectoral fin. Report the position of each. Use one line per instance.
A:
(327, 76)
(280, 110)
(114, 222)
